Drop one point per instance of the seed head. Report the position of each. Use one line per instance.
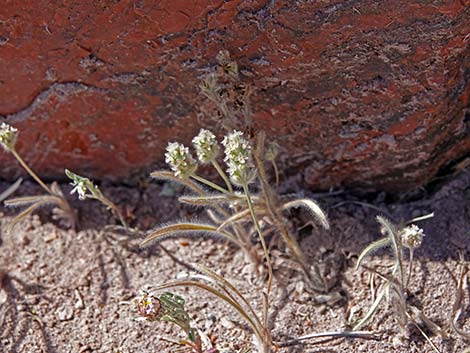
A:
(180, 160)
(206, 146)
(412, 236)
(148, 306)
(238, 157)
(8, 136)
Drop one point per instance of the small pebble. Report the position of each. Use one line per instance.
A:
(64, 313)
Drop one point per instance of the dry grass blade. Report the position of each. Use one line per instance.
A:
(426, 337)
(392, 232)
(164, 175)
(333, 334)
(240, 216)
(376, 245)
(458, 306)
(24, 213)
(10, 190)
(432, 326)
(210, 200)
(420, 218)
(56, 189)
(372, 310)
(28, 200)
(312, 207)
(174, 229)
(222, 281)
(218, 294)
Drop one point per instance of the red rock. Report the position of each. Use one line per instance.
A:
(372, 93)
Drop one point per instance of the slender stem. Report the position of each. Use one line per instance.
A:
(30, 171)
(423, 333)
(334, 334)
(210, 183)
(410, 269)
(267, 336)
(276, 173)
(222, 174)
(263, 242)
(238, 231)
(111, 205)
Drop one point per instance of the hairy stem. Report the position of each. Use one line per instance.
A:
(267, 335)
(223, 175)
(410, 269)
(113, 207)
(30, 172)
(210, 183)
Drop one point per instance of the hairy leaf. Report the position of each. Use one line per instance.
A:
(210, 200)
(195, 228)
(10, 190)
(376, 245)
(165, 175)
(28, 200)
(372, 310)
(23, 214)
(221, 296)
(312, 207)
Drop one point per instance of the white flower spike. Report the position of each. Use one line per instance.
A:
(8, 136)
(180, 160)
(238, 157)
(206, 146)
(412, 236)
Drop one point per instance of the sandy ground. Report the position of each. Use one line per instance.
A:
(62, 291)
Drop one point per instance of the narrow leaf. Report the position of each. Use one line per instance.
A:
(28, 200)
(218, 294)
(218, 278)
(10, 190)
(312, 207)
(376, 245)
(240, 216)
(174, 229)
(165, 175)
(209, 200)
(420, 218)
(431, 325)
(372, 310)
(457, 308)
(23, 214)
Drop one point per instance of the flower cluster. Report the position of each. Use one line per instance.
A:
(206, 146)
(81, 185)
(148, 306)
(8, 136)
(180, 160)
(238, 157)
(412, 236)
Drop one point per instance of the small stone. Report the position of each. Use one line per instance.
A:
(226, 323)
(50, 237)
(64, 313)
